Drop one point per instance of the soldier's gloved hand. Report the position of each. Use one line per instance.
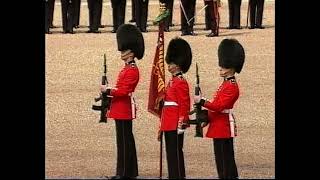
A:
(197, 98)
(181, 128)
(105, 89)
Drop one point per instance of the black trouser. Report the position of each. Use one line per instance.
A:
(46, 20)
(189, 7)
(67, 15)
(213, 19)
(224, 156)
(77, 7)
(100, 4)
(234, 13)
(51, 9)
(207, 16)
(127, 164)
(142, 14)
(168, 20)
(256, 12)
(94, 20)
(175, 158)
(133, 10)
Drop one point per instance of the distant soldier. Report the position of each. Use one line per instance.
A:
(142, 14)
(176, 106)
(51, 10)
(94, 16)
(222, 126)
(76, 18)
(187, 12)
(118, 13)
(67, 7)
(123, 108)
(256, 12)
(234, 14)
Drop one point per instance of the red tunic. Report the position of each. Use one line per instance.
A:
(223, 99)
(176, 103)
(122, 103)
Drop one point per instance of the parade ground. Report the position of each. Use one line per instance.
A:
(77, 146)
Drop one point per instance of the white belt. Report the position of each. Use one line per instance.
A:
(170, 103)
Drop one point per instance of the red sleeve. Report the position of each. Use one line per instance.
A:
(128, 84)
(226, 99)
(183, 99)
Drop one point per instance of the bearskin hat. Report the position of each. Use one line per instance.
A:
(231, 54)
(130, 37)
(179, 52)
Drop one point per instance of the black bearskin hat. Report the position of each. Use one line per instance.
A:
(231, 54)
(179, 53)
(130, 37)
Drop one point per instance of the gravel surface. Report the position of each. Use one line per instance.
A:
(78, 146)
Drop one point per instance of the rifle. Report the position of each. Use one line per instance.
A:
(201, 115)
(105, 100)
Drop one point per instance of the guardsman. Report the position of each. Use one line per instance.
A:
(222, 127)
(256, 12)
(67, 7)
(118, 13)
(234, 14)
(142, 14)
(187, 12)
(176, 106)
(214, 18)
(123, 108)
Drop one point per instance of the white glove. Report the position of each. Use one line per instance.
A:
(197, 98)
(180, 129)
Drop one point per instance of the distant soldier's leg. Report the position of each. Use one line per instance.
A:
(64, 4)
(138, 13)
(144, 16)
(170, 6)
(46, 20)
(99, 12)
(70, 16)
(122, 12)
(253, 5)
(51, 11)
(133, 11)
(207, 15)
(260, 6)
(237, 16)
(231, 13)
(90, 7)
